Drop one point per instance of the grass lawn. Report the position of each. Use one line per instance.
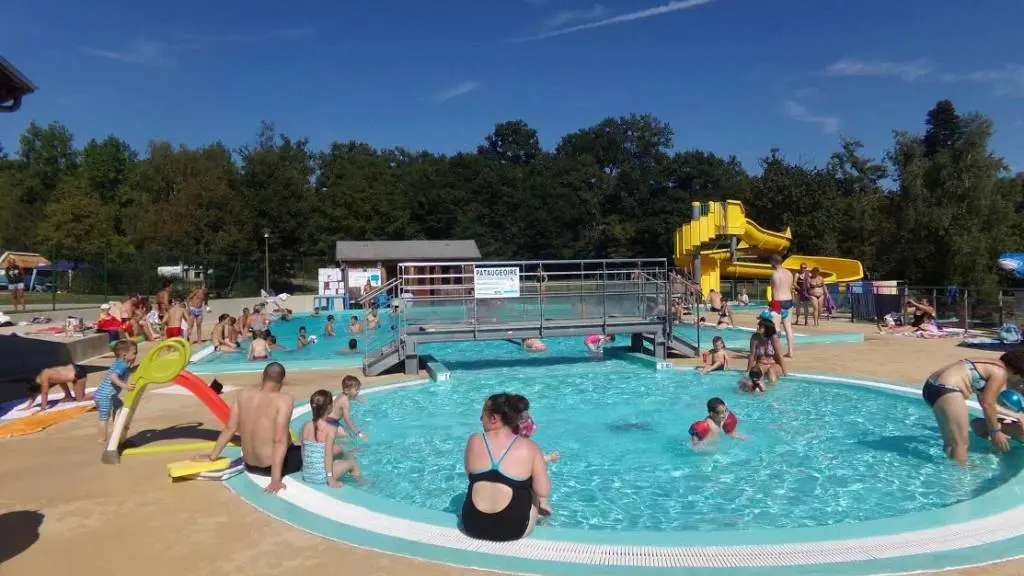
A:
(43, 301)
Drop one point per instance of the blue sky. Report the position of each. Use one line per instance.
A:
(731, 76)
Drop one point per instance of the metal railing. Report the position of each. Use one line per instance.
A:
(377, 291)
(444, 293)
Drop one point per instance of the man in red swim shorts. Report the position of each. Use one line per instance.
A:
(782, 299)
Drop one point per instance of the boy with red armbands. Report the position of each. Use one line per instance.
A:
(719, 419)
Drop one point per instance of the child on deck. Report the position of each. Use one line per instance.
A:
(719, 419)
(63, 376)
(341, 411)
(329, 326)
(753, 382)
(717, 358)
(115, 380)
(319, 465)
(175, 315)
(259, 348)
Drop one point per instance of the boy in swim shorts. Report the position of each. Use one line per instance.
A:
(115, 380)
(63, 376)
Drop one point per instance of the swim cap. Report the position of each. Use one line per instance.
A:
(766, 315)
(1012, 399)
(700, 429)
(729, 426)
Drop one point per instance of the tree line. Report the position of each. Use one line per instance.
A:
(936, 209)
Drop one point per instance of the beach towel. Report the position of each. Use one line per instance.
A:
(39, 422)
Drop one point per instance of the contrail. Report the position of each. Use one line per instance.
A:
(674, 6)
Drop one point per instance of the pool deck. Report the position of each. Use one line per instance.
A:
(97, 516)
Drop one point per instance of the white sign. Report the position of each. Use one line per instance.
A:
(496, 282)
(330, 282)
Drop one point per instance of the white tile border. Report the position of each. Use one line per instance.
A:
(994, 528)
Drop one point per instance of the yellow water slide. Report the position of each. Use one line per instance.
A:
(709, 238)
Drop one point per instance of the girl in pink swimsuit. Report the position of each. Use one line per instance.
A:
(595, 342)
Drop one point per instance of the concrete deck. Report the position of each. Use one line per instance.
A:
(61, 511)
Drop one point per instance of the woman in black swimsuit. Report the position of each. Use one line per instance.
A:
(507, 474)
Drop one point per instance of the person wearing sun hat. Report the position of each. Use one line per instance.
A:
(108, 323)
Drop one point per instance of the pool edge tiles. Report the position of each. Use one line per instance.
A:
(967, 534)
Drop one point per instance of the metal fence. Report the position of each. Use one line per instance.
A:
(68, 283)
(548, 291)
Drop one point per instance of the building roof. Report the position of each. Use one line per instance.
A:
(405, 251)
(25, 259)
(13, 85)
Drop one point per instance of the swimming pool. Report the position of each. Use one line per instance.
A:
(326, 352)
(839, 476)
(813, 457)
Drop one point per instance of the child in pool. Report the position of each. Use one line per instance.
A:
(718, 420)
(717, 358)
(259, 348)
(595, 342)
(353, 347)
(329, 327)
(753, 382)
(303, 339)
(320, 464)
(272, 343)
(341, 410)
(526, 429)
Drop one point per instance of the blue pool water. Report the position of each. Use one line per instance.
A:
(739, 338)
(327, 348)
(818, 453)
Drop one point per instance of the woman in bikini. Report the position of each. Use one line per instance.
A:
(816, 289)
(507, 474)
(946, 391)
(765, 351)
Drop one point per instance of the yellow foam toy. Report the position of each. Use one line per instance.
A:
(193, 467)
(161, 364)
(165, 448)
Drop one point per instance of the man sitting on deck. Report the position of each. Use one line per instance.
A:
(260, 416)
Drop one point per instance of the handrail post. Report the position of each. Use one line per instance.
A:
(540, 296)
(604, 297)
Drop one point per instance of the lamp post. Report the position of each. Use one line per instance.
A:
(266, 260)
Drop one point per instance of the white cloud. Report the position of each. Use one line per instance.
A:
(674, 6)
(1005, 81)
(800, 113)
(565, 17)
(908, 71)
(143, 52)
(460, 89)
